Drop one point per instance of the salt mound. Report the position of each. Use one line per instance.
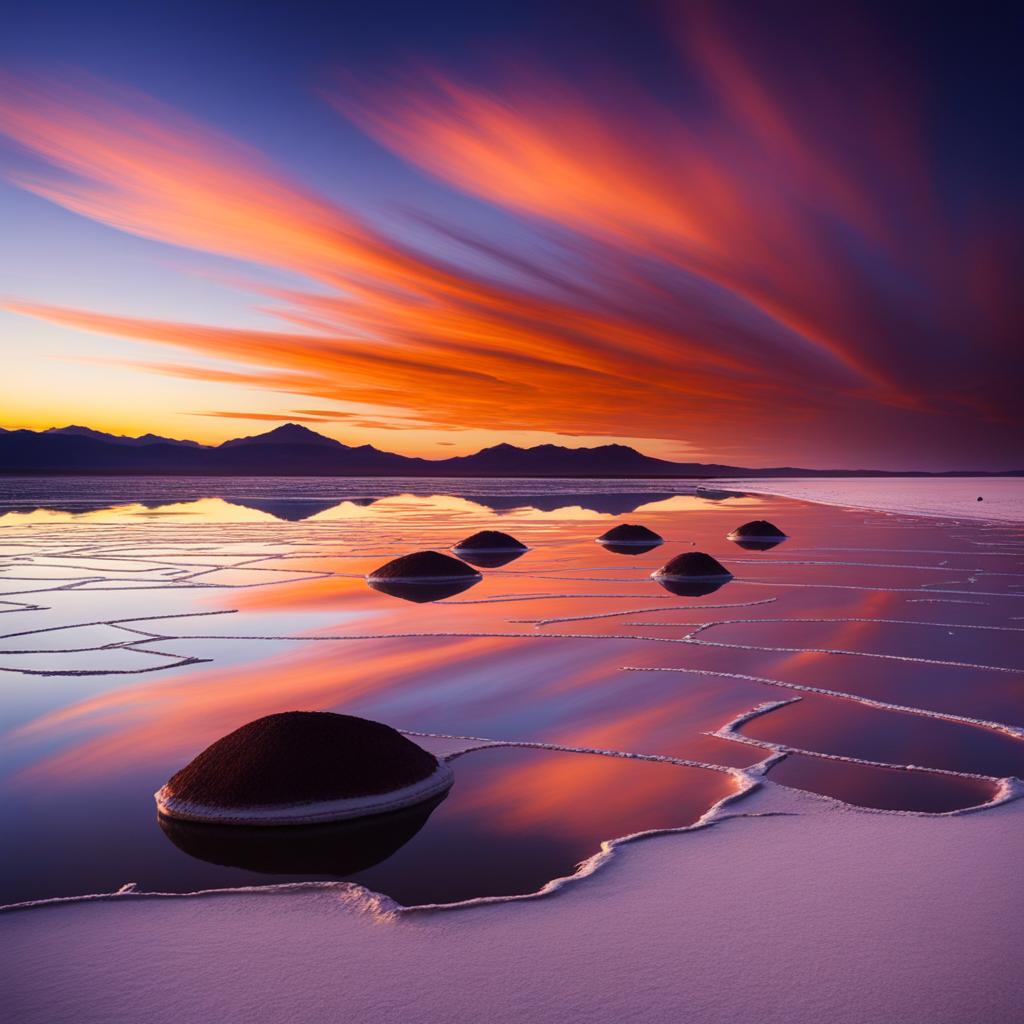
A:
(425, 566)
(302, 767)
(693, 565)
(489, 541)
(628, 533)
(490, 549)
(424, 576)
(758, 529)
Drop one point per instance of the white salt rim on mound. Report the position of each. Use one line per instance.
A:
(427, 580)
(310, 813)
(659, 575)
(490, 551)
(651, 541)
(759, 536)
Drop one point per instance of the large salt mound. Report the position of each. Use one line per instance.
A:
(424, 576)
(303, 767)
(425, 566)
(693, 565)
(758, 529)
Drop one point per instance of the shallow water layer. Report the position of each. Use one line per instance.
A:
(141, 620)
(887, 789)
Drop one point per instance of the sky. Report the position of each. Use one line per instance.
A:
(774, 233)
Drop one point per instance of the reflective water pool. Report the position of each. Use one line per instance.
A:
(136, 629)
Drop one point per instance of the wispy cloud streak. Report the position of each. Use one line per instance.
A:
(730, 273)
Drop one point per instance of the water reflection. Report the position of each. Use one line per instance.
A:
(422, 591)
(223, 504)
(630, 549)
(540, 653)
(490, 559)
(337, 850)
(890, 789)
(691, 588)
(756, 545)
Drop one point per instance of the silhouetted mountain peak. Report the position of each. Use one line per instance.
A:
(294, 450)
(287, 433)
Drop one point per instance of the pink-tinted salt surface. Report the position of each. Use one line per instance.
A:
(815, 913)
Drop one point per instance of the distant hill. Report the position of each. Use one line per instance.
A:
(99, 435)
(294, 450)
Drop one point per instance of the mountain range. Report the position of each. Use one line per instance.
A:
(294, 450)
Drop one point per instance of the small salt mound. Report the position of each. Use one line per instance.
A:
(693, 565)
(425, 566)
(692, 574)
(489, 541)
(303, 767)
(490, 549)
(758, 529)
(628, 533)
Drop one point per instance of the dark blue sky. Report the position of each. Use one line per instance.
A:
(762, 199)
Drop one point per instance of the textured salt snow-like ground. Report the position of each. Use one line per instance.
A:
(792, 909)
(944, 497)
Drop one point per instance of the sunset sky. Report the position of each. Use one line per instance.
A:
(702, 229)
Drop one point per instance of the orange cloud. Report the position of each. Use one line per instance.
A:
(702, 288)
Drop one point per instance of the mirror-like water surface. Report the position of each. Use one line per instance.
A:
(143, 619)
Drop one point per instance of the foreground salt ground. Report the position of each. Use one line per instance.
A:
(137, 644)
(791, 909)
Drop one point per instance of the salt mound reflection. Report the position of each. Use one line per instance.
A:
(338, 849)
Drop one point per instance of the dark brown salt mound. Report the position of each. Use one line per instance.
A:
(694, 565)
(758, 529)
(299, 757)
(489, 540)
(424, 565)
(627, 533)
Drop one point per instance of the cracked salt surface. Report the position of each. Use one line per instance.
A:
(280, 619)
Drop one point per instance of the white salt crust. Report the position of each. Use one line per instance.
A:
(308, 813)
(650, 542)
(426, 581)
(677, 578)
(520, 549)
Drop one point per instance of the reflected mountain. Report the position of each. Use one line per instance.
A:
(339, 849)
(609, 504)
(719, 495)
(295, 510)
